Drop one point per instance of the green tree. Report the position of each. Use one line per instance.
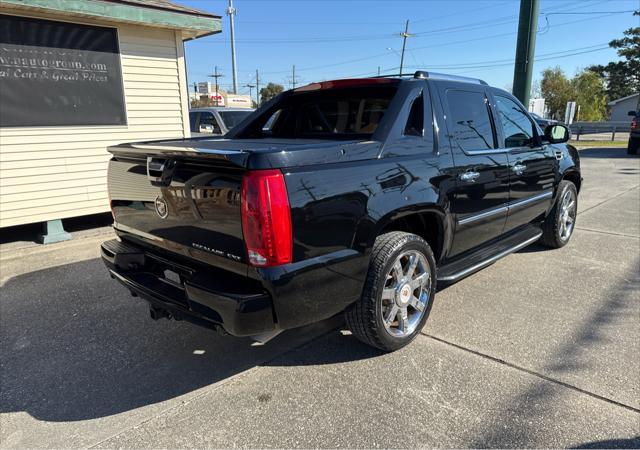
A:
(270, 91)
(201, 102)
(557, 90)
(623, 77)
(590, 96)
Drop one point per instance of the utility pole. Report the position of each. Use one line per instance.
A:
(404, 35)
(250, 86)
(257, 88)
(525, 49)
(293, 79)
(231, 11)
(378, 70)
(216, 75)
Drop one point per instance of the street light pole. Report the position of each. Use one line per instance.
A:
(231, 11)
(525, 49)
(250, 86)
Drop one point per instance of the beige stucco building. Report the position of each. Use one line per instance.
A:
(50, 172)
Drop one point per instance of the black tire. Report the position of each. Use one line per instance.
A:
(633, 145)
(364, 318)
(552, 230)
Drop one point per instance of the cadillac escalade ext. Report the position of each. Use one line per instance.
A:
(352, 196)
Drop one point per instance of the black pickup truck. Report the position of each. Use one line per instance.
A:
(352, 196)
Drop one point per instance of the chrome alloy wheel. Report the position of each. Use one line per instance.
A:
(567, 214)
(406, 293)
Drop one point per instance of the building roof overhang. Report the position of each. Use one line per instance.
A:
(157, 13)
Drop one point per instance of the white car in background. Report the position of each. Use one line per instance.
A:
(216, 120)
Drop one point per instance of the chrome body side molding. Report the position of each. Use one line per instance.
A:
(505, 209)
(483, 215)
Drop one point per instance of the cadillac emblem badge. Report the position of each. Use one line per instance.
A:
(162, 209)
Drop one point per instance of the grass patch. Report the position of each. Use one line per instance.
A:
(587, 143)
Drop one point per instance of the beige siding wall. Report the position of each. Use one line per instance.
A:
(57, 172)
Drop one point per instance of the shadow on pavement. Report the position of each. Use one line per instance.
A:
(633, 442)
(570, 357)
(29, 232)
(606, 153)
(76, 346)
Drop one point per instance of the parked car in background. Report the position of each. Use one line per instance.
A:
(544, 123)
(216, 120)
(634, 135)
(355, 196)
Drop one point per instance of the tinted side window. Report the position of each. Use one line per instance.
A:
(193, 121)
(472, 128)
(415, 121)
(516, 126)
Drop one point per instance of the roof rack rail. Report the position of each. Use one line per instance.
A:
(395, 75)
(423, 74)
(445, 76)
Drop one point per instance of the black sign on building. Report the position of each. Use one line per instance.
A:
(59, 73)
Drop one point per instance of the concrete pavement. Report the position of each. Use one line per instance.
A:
(541, 349)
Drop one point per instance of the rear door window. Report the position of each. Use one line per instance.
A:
(472, 127)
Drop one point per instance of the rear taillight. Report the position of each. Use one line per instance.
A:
(266, 218)
(634, 123)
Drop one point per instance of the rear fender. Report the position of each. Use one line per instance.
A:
(436, 231)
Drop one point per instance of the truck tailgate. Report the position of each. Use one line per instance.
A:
(181, 201)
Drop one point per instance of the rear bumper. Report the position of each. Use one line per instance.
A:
(206, 296)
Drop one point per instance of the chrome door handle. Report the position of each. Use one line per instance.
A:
(519, 169)
(469, 177)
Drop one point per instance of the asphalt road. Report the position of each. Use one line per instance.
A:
(542, 349)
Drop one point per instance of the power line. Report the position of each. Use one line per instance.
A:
(479, 65)
(590, 12)
(435, 45)
(428, 19)
(497, 63)
(472, 26)
(464, 41)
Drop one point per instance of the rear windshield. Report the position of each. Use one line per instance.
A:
(346, 113)
(233, 118)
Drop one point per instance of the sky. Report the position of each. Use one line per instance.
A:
(330, 39)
